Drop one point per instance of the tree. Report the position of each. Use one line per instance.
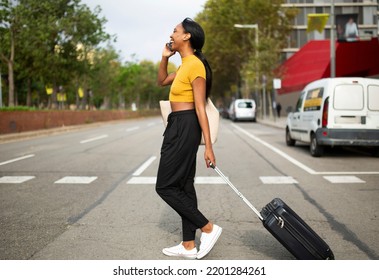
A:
(103, 77)
(9, 27)
(232, 52)
(41, 39)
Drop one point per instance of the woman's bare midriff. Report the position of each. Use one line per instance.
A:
(181, 106)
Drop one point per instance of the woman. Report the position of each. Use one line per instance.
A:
(190, 87)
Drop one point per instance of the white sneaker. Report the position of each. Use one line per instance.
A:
(180, 251)
(208, 240)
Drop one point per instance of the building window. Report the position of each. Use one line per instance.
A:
(303, 38)
(319, 10)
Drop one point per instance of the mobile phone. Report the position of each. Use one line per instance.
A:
(169, 46)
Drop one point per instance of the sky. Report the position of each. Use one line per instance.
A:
(143, 27)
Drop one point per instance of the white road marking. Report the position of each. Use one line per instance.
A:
(142, 181)
(94, 139)
(278, 180)
(144, 166)
(150, 124)
(152, 180)
(132, 128)
(16, 159)
(296, 162)
(209, 181)
(76, 180)
(343, 179)
(15, 179)
(349, 172)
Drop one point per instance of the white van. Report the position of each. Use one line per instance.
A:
(242, 109)
(336, 112)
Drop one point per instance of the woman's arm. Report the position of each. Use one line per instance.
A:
(164, 78)
(199, 88)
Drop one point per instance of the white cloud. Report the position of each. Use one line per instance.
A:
(143, 26)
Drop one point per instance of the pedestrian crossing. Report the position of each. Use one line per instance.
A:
(141, 180)
(138, 179)
(201, 180)
(64, 180)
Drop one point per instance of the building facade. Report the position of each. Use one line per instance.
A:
(364, 12)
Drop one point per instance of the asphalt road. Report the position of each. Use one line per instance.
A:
(90, 194)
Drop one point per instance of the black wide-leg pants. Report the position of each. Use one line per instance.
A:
(177, 168)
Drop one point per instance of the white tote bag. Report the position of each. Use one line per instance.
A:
(212, 113)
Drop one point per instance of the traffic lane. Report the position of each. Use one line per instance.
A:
(245, 238)
(133, 215)
(359, 159)
(74, 145)
(35, 212)
(344, 218)
(353, 162)
(134, 223)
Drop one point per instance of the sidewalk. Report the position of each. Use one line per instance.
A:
(41, 132)
(9, 137)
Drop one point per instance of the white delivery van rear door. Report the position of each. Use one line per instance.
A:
(350, 106)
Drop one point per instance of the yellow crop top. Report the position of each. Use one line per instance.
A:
(181, 88)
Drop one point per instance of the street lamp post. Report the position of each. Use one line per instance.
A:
(253, 26)
(332, 43)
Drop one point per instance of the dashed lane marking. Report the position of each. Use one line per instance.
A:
(16, 159)
(132, 128)
(144, 166)
(94, 139)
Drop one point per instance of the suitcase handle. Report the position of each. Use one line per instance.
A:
(236, 190)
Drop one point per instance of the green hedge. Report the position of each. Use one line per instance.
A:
(17, 108)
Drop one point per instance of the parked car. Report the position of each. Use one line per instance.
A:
(336, 112)
(242, 109)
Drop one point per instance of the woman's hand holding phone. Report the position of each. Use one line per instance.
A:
(167, 51)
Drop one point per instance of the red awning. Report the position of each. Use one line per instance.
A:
(312, 62)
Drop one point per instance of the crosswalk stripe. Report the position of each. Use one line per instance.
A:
(141, 180)
(76, 180)
(343, 179)
(15, 179)
(278, 180)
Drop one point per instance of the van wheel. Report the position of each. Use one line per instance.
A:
(289, 140)
(315, 149)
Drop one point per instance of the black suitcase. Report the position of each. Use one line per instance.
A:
(294, 234)
(288, 228)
